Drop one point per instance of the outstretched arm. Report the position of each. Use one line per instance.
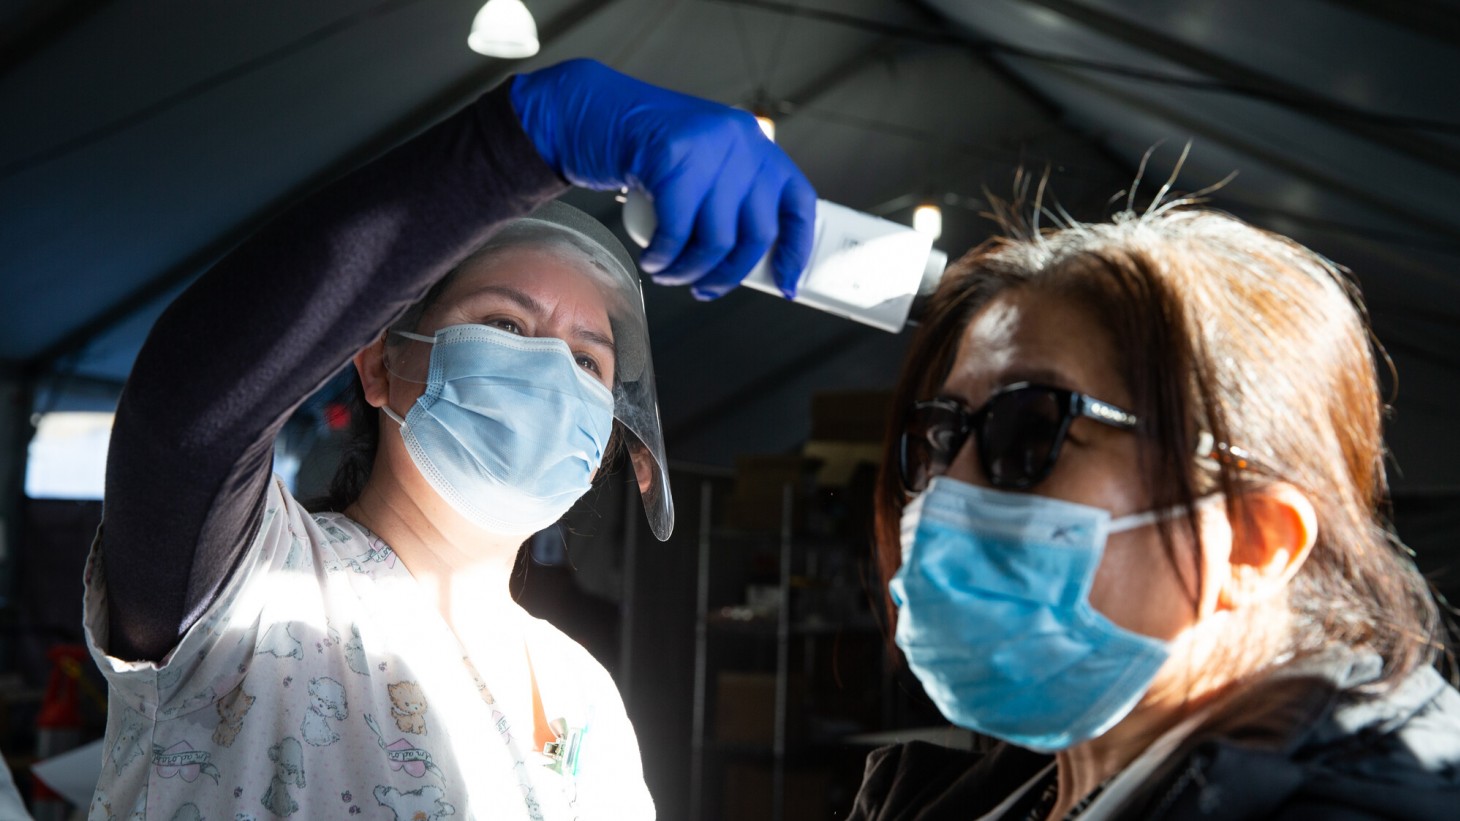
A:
(228, 362)
(239, 350)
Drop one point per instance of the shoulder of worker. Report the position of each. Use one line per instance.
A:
(556, 653)
(166, 688)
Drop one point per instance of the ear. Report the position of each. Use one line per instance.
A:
(374, 378)
(643, 465)
(1270, 542)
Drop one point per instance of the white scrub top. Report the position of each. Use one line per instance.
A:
(322, 684)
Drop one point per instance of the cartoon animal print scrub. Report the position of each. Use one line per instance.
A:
(408, 706)
(188, 812)
(231, 710)
(424, 804)
(326, 701)
(288, 758)
(355, 652)
(127, 744)
(309, 689)
(182, 761)
(279, 641)
(403, 755)
(298, 557)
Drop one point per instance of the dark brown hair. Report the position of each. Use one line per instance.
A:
(1224, 328)
(362, 435)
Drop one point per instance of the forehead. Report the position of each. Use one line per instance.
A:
(561, 281)
(1029, 335)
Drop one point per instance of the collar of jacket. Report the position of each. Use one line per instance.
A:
(1318, 729)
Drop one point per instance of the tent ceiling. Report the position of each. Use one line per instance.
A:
(146, 138)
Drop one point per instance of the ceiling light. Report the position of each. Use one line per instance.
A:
(767, 125)
(505, 29)
(928, 219)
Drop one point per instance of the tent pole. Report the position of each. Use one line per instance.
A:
(17, 398)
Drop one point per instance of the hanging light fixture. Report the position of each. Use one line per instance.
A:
(928, 219)
(767, 125)
(505, 29)
(761, 109)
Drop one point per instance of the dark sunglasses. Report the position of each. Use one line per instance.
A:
(1019, 431)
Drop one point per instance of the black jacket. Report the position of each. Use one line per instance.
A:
(1307, 745)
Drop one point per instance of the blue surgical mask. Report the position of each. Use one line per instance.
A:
(509, 430)
(995, 619)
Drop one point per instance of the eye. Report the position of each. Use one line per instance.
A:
(507, 324)
(588, 363)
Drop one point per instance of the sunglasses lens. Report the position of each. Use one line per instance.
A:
(1018, 435)
(933, 437)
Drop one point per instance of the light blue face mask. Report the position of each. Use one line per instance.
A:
(994, 615)
(509, 430)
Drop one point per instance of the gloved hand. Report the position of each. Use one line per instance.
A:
(722, 192)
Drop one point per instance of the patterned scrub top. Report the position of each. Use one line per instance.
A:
(322, 684)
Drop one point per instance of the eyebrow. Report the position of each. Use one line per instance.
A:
(593, 337)
(1010, 376)
(528, 303)
(1039, 376)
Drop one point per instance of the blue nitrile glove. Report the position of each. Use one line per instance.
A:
(722, 192)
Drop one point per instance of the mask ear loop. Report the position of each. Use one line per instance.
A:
(1209, 453)
(415, 337)
(1151, 517)
(394, 417)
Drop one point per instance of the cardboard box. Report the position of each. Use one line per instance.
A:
(745, 707)
(748, 793)
(840, 460)
(850, 416)
(760, 481)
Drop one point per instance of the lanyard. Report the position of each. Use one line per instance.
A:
(559, 742)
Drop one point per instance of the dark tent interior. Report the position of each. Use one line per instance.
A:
(142, 140)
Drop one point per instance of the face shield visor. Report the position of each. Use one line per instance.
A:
(599, 258)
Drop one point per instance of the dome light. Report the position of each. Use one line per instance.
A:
(767, 125)
(505, 29)
(928, 219)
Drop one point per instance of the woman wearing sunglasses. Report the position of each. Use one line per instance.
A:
(265, 661)
(1132, 526)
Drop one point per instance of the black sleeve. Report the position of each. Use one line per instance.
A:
(230, 359)
(877, 780)
(918, 781)
(910, 781)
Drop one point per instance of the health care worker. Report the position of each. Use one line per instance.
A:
(269, 663)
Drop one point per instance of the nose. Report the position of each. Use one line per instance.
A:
(965, 466)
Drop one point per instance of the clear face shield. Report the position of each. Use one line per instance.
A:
(598, 256)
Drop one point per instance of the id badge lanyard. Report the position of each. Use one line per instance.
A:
(559, 742)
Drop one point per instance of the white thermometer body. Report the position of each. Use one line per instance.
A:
(862, 267)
